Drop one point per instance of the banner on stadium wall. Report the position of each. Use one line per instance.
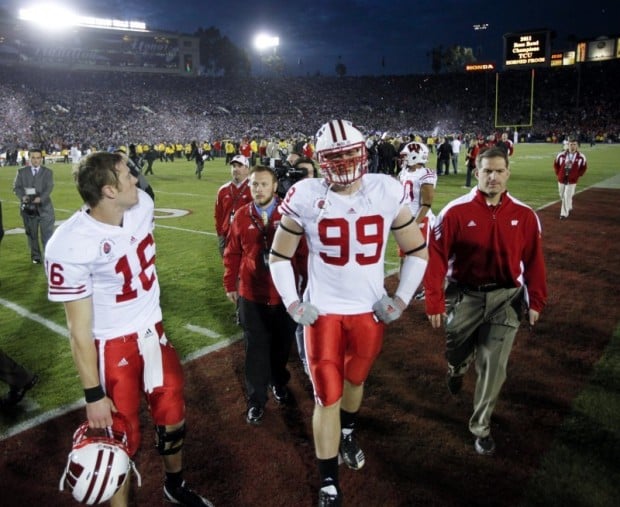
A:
(601, 49)
(97, 48)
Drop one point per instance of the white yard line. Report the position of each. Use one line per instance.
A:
(59, 411)
(20, 310)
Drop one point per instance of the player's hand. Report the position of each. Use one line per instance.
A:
(388, 309)
(99, 413)
(303, 313)
(233, 296)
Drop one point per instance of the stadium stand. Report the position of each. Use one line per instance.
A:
(58, 108)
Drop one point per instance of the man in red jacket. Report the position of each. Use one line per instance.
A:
(230, 197)
(488, 246)
(268, 329)
(569, 166)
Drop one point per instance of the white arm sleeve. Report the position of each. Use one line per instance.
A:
(284, 279)
(411, 275)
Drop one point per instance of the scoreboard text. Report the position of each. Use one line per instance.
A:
(526, 49)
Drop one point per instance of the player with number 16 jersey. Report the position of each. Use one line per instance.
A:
(101, 265)
(114, 265)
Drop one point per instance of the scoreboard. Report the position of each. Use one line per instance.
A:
(527, 49)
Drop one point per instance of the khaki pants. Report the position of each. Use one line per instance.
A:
(481, 327)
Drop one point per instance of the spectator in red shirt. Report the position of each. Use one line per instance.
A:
(230, 197)
(268, 329)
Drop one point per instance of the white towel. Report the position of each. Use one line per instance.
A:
(148, 345)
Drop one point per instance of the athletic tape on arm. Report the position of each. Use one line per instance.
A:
(411, 275)
(284, 279)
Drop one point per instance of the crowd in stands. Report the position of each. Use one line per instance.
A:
(53, 108)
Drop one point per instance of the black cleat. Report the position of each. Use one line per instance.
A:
(485, 445)
(329, 496)
(350, 451)
(255, 415)
(280, 393)
(183, 495)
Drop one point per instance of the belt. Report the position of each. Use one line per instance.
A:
(485, 287)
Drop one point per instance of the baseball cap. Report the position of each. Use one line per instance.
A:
(241, 160)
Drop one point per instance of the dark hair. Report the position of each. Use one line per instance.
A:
(95, 172)
(493, 152)
(263, 169)
(306, 160)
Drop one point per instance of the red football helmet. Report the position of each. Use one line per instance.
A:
(98, 463)
(341, 152)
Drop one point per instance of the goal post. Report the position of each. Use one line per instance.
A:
(520, 103)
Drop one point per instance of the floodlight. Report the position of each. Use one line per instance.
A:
(49, 16)
(264, 41)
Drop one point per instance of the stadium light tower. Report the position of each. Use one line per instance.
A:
(264, 42)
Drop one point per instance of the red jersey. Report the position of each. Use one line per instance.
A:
(230, 198)
(569, 167)
(476, 244)
(246, 256)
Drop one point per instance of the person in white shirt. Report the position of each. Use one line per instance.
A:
(346, 218)
(100, 264)
(456, 149)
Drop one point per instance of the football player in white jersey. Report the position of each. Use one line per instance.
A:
(346, 217)
(101, 264)
(419, 182)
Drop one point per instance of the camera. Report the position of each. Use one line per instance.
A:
(29, 207)
(286, 174)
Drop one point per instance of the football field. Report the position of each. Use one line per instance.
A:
(197, 315)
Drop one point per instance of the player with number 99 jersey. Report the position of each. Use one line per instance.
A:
(347, 236)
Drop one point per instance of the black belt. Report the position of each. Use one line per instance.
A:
(486, 287)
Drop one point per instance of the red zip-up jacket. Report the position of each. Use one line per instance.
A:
(244, 268)
(230, 198)
(578, 167)
(476, 244)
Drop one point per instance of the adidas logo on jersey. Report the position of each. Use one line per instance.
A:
(123, 362)
(472, 224)
(514, 223)
(148, 333)
(351, 211)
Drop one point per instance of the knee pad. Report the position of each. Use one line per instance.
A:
(169, 442)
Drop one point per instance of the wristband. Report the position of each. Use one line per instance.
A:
(93, 394)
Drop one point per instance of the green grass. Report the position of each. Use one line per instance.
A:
(190, 273)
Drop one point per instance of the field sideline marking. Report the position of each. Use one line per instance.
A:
(59, 411)
(20, 310)
(64, 409)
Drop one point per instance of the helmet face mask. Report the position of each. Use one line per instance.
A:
(341, 152)
(98, 465)
(412, 154)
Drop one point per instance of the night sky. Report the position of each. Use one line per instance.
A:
(368, 37)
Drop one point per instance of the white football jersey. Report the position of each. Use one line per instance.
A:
(413, 181)
(115, 265)
(347, 237)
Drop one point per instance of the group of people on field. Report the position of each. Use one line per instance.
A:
(306, 265)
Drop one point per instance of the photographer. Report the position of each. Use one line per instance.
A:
(33, 187)
(292, 170)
